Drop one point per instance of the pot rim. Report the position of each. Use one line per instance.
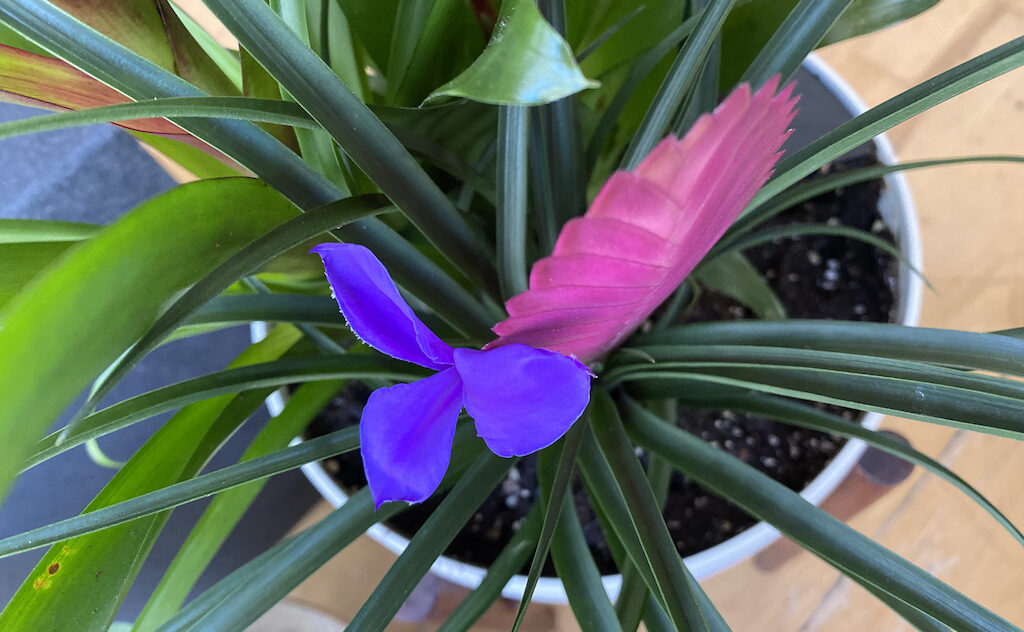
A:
(897, 209)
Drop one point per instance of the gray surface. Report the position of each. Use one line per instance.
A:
(94, 174)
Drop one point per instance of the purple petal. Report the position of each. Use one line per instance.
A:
(406, 436)
(522, 399)
(374, 309)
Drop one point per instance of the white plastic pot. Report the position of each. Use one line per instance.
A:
(897, 210)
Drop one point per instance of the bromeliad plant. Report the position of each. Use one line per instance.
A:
(451, 145)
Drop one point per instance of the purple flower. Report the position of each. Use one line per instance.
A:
(521, 398)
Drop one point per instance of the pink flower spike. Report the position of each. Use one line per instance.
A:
(647, 229)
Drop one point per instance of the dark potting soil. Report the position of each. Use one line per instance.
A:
(824, 277)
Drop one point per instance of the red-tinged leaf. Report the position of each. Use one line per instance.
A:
(152, 29)
(190, 60)
(49, 83)
(135, 24)
(647, 229)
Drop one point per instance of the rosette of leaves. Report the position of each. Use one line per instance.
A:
(454, 140)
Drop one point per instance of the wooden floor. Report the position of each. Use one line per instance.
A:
(972, 224)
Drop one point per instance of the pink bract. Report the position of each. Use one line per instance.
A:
(648, 228)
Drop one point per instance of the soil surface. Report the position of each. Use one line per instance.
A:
(823, 277)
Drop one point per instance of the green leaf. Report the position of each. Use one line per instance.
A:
(244, 108)
(321, 311)
(853, 554)
(268, 454)
(732, 275)
(237, 598)
(878, 119)
(136, 24)
(639, 71)
(620, 531)
(250, 146)
(20, 231)
(192, 62)
(315, 146)
(46, 82)
(561, 140)
(796, 229)
(812, 187)
(615, 515)
(866, 16)
(430, 542)
(332, 39)
(681, 78)
(152, 29)
(793, 40)
(442, 43)
(80, 584)
(964, 349)
(688, 607)
(508, 563)
(372, 22)
(224, 59)
(526, 63)
(23, 261)
(569, 551)
(546, 212)
(228, 478)
(512, 176)
(357, 131)
(269, 245)
(257, 83)
(268, 375)
(192, 156)
(100, 310)
(457, 137)
(557, 487)
(798, 414)
(910, 389)
(290, 562)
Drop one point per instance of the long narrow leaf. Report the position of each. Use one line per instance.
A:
(246, 143)
(964, 349)
(185, 492)
(79, 584)
(854, 554)
(238, 309)
(795, 38)
(429, 542)
(687, 606)
(250, 591)
(261, 250)
(508, 563)
(357, 131)
(573, 560)
(795, 413)
(903, 106)
(99, 309)
(225, 511)
(680, 80)
(512, 177)
(808, 189)
(241, 108)
(266, 375)
(641, 68)
(911, 398)
(559, 485)
(796, 229)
